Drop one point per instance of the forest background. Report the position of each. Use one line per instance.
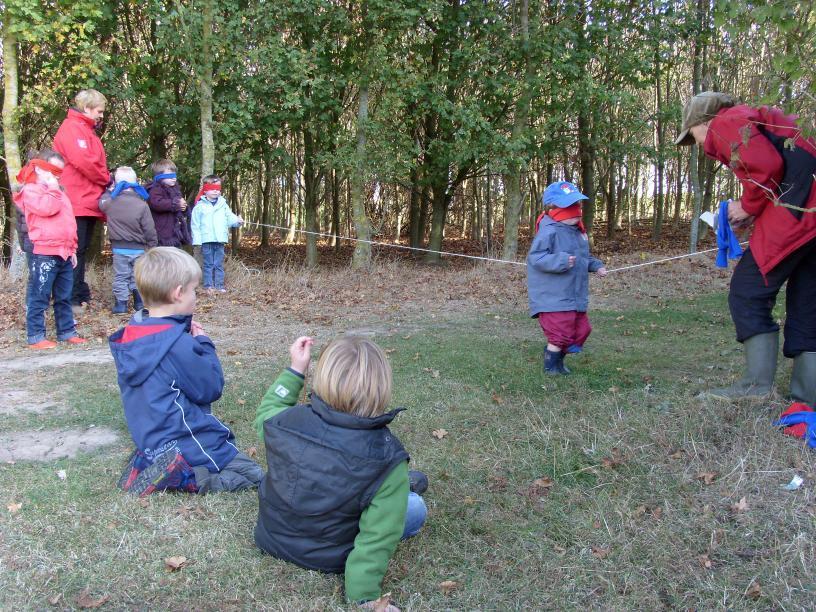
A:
(404, 120)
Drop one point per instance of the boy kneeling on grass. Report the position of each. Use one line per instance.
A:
(169, 375)
(338, 495)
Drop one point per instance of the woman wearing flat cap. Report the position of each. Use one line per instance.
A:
(775, 165)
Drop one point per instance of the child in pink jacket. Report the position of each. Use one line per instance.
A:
(53, 232)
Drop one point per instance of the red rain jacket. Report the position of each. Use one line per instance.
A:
(756, 144)
(86, 167)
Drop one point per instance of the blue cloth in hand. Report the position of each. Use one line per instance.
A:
(122, 185)
(728, 247)
(809, 418)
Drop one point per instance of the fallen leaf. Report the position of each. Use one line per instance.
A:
(432, 372)
(448, 586)
(87, 601)
(174, 564)
(240, 402)
(144, 502)
(705, 561)
(740, 506)
(639, 511)
(707, 477)
(678, 454)
(754, 591)
(381, 603)
(596, 524)
(468, 501)
(540, 487)
(614, 461)
(657, 512)
(496, 483)
(559, 550)
(600, 551)
(497, 399)
(55, 599)
(14, 508)
(252, 451)
(439, 433)
(62, 474)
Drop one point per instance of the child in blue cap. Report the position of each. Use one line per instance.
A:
(558, 267)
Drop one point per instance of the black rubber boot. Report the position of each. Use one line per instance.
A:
(761, 353)
(119, 307)
(803, 379)
(554, 363)
(138, 304)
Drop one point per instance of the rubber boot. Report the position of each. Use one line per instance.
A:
(554, 363)
(119, 307)
(761, 353)
(138, 304)
(803, 379)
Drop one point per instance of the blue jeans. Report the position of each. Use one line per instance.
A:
(49, 275)
(212, 254)
(415, 515)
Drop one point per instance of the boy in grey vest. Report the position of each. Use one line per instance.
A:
(338, 495)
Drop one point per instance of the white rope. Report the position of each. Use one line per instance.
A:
(488, 259)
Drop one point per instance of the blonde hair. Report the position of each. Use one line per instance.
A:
(125, 173)
(89, 98)
(162, 166)
(160, 270)
(353, 375)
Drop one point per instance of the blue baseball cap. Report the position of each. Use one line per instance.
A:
(562, 194)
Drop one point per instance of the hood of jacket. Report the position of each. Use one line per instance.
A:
(139, 347)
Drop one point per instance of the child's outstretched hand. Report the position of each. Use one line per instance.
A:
(571, 261)
(301, 354)
(196, 329)
(601, 271)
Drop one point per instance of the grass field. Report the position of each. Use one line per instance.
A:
(615, 488)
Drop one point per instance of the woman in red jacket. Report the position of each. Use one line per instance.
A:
(775, 165)
(85, 176)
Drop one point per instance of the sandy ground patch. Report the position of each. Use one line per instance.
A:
(41, 361)
(48, 445)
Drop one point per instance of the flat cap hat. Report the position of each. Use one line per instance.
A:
(699, 109)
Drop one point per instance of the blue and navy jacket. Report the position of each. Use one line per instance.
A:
(552, 286)
(168, 379)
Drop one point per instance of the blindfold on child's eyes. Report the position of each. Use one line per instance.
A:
(28, 175)
(166, 175)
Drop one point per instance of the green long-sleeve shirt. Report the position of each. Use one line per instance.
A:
(381, 523)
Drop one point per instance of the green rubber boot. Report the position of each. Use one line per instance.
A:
(803, 379)
(761, 353)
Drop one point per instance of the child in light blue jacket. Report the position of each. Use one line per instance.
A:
(210, 223)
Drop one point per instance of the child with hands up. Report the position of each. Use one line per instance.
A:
(338, 495)
(558, 267)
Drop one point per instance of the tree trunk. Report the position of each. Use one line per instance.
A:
(205, 94)
(512, 179)
(266, 196)
(362, 225)
(11, 135)
(335, 181)
(414, 208)
(310, 186)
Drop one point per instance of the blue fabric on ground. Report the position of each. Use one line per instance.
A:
(808, 418)
(728, 246)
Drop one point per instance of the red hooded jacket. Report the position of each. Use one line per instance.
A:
(756, 144)
(86, 167)
(51, 224)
